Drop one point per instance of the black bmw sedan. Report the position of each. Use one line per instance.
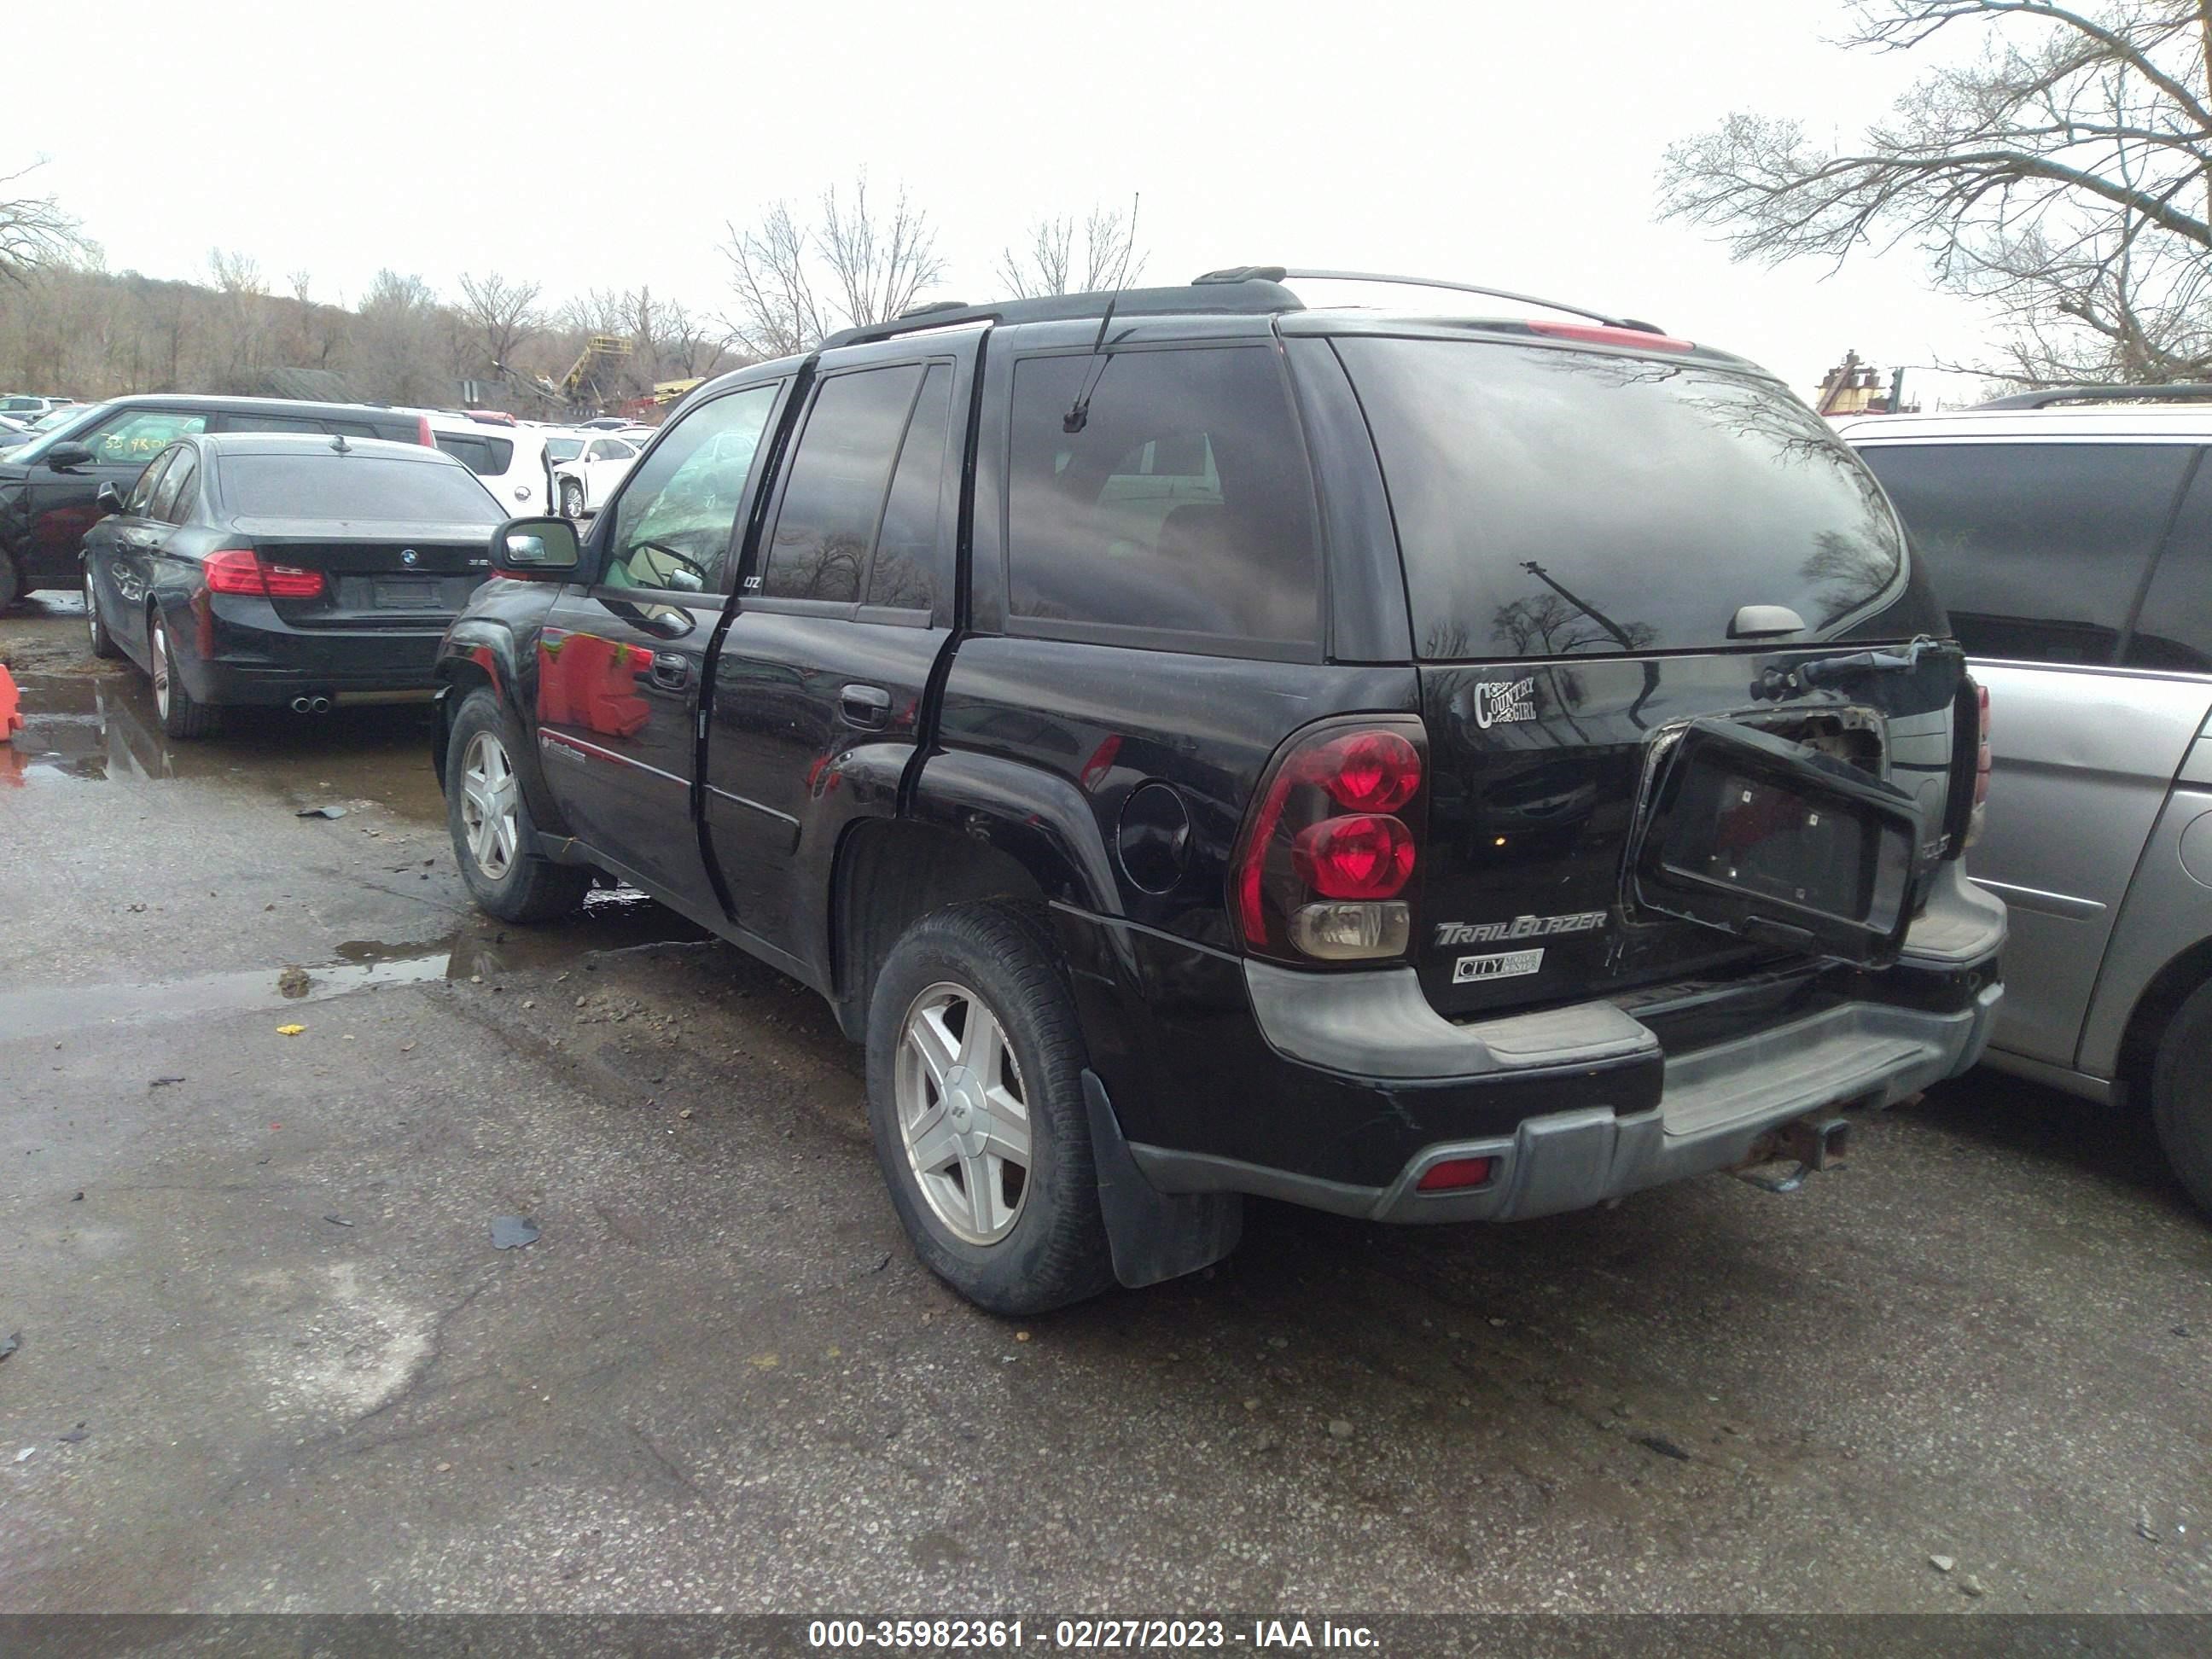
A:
(284, 570)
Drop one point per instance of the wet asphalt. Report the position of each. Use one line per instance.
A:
(271, 1360)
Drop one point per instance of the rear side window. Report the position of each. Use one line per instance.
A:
(174, 497)
(1180, 505)
(827, 524)
(486, 457)
(2174, 629)
(324, 484)
(911, 569)
(1556, 503)
(2037, 550)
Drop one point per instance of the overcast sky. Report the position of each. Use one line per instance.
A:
(606, 145)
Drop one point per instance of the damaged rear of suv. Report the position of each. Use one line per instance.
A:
(1429, 768)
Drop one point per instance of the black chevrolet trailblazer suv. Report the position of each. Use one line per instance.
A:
(1426, 768)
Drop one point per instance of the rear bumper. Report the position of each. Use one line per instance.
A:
(1603, 1109)
(239, 651)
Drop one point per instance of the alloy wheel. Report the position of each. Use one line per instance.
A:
(490, 805)
(91, 614)
(962, 1113)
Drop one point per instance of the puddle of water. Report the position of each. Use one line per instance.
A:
(615, 918)
(83, 730)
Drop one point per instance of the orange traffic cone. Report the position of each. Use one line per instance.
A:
(11, 712)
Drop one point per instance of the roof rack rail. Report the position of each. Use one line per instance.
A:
(1258, 297)
(2179, 392)
(1281, 273)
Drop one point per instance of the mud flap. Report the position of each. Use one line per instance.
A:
(1154, 1236)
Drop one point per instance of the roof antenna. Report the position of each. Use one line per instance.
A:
(1079, 414)
(339, 444)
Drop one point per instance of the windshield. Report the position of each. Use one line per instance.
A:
(328, 485)
(1560, 503)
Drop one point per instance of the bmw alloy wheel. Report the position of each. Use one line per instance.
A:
(489, 796)
(962, 1113)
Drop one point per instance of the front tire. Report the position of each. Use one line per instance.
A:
(572, 499)
(103, 643)
(494, 841)
(2181, 1095)
(975, 1067)
(181, 716)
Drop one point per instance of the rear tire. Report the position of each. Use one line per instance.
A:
(952, 1127)
(11, 583)
(572, 499)
(2181, 1095)
(181, 716)
(494, 842)
(103, 643)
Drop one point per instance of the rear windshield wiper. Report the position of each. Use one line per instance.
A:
(1833, 671)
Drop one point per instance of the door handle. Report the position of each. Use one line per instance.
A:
(868, 706)
(671, 671)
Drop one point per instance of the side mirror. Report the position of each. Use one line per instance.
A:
(67, 457)
(109, 499)
(540, 547)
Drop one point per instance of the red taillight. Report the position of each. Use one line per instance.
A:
(423, 432)
(1367, 771)
(1455, 1175)
(289, 581)
(1313, 881)
(1363, 858)
(235, 570)
(240, 570)
(1633, 339)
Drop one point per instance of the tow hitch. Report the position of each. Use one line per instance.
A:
(1817, 1142)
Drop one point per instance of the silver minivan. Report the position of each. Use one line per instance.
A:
(2070, 538)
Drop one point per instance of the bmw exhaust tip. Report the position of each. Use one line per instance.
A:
(314, 705)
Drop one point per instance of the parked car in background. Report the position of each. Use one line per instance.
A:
(21, 406)
(280, 569)
(1200, 768)
(2070, 535)
(12, 433)
(49, 487)
(588, 467)
(510, 459)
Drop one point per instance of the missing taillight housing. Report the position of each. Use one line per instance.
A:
(1968, 807)
(1326, 869)
(1975, 819)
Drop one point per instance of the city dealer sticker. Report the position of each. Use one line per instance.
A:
(1505, 964)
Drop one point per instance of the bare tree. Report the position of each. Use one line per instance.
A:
(2064, 176)
(34, 232)
(503, 314)
(794, 282)
(1054, 262)
(398, 343)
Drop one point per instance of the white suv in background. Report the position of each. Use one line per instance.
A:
(588, 467)
(509, 460)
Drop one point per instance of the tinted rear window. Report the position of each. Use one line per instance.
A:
(320, 485)
(1558, 503)
(2038, 549)
(487, 458)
